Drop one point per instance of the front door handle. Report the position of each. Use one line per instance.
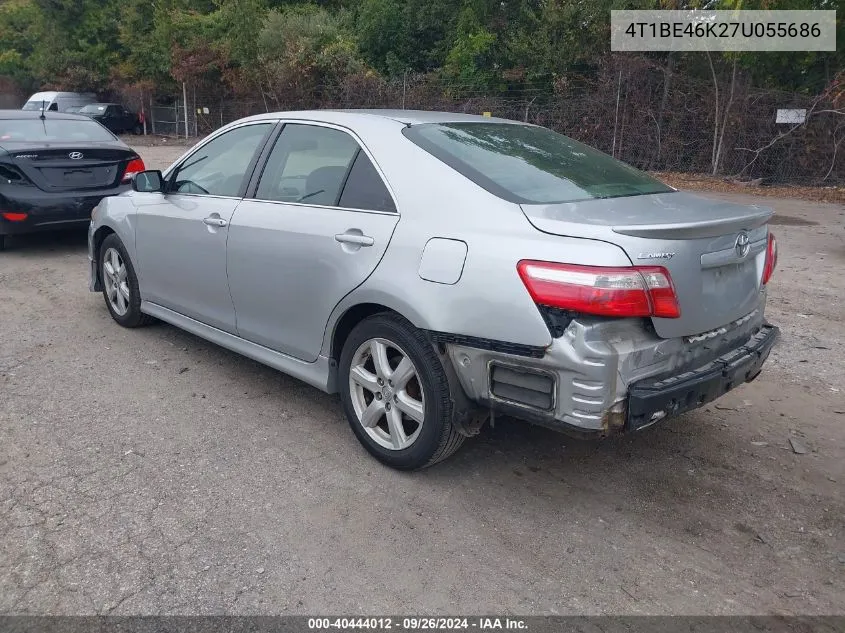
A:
(212, 221)
(354, 238)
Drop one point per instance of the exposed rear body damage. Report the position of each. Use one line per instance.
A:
(593, 368)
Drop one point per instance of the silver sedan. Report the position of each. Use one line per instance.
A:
(434, 269)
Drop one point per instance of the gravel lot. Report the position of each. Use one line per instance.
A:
(149, 472)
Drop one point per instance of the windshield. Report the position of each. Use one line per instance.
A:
(52, 130)
(531, 165)
(35, 105)
(93, 109)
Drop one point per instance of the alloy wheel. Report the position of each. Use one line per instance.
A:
(386, 394)
(115, 281)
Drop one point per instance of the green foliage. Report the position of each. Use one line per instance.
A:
(470, 62)
(302, 50)
(475, 45)
(19, 22)
(399, 35)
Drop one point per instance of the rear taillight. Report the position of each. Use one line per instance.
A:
(637, 291)
(771, 258)
(135, 166)
(14, 217)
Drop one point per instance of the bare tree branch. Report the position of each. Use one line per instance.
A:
(725, 120)
(715, 112)
(835, 149)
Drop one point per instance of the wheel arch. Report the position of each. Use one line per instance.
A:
(349, 313)
(347, 321)
(96, 243)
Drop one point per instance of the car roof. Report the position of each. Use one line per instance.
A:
(7, 115)
(45, 94)
(100, 103)
(406, 117)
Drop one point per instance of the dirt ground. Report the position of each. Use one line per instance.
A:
(149, 472)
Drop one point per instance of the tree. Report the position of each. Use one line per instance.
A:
(19, 23)
(303, 52)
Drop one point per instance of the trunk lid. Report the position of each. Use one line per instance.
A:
(714, 250)
(67, 167)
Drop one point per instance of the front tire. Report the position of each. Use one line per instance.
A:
(395, 394)
(120, 284)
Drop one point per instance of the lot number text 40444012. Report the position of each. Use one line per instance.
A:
(418, 623)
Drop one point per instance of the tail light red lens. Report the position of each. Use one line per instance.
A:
(135, 166)
(637, 291)
(14, 217)
(771, 258)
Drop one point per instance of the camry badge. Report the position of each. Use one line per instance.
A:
(75, 155)
(655, 255)
(743, 245)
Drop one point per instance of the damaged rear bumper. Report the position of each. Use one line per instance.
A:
(652, 400)
(603, 377)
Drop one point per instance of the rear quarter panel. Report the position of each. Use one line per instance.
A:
(489, 300)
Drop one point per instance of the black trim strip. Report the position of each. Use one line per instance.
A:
(681, 391)
(346, 175)
(262, 160)
(515, 349)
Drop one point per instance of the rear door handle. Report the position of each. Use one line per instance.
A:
(212, 221)
(354, 238)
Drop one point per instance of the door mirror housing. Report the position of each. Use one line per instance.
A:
(150, 181)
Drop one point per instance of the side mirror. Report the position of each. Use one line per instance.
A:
(150, 181)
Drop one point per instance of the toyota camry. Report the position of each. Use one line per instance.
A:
(435, 269)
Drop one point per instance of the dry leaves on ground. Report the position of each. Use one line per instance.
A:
(703, 182)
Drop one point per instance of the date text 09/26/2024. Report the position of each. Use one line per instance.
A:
(417, 623)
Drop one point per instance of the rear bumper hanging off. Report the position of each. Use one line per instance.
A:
(654, 399)
(603, 377)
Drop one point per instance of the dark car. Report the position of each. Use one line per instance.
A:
(115, 117)
(55, 168)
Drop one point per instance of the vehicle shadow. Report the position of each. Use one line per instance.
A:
(507, 448)
(69, 241)
(687, 462)
(689, 477)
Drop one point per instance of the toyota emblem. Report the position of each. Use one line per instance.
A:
(75, 155)
(743, 245)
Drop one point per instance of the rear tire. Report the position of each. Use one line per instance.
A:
(2, 243)
(395, 394)
(120, 284)
(138, 130)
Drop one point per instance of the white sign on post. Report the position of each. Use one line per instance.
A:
(794, 116)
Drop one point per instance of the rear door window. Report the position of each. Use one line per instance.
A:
(364, 188)
(309, 164)
(318, 165)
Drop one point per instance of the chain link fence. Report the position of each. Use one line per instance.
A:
(644, 115)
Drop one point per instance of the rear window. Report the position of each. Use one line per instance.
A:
(52, 130)
(527, 164)
(93, 109)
